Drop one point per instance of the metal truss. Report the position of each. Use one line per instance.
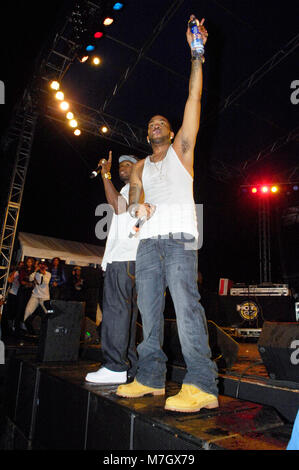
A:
(24, 127)
(224, 172)
(91, 121)
(141, 53)
(291, 136)
(264, 240)
(255, 77)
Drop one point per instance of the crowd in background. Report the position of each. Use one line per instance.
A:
(64, 284)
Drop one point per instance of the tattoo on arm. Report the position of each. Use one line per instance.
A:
(134, 194)
(196, 66)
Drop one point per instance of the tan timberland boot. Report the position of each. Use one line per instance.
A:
(190, 399)
(136, 389)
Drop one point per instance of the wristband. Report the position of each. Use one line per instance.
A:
(201, 58)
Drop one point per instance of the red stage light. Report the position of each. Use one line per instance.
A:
(254, 190)
(274, 189)
(265, 189)
(98, 34)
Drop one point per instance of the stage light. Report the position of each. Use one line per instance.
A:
(254, 190)
(84, 58)
(295, 187)
(108, 21)
(96, 60)
(90, 48)
(59, 95)
(77, 132)
(274, 189)
(118, 6)
(70, 115)
(98, 35)
(265, 189)
(64, 106)
(73, 123)
(104, 129)
(55, 85)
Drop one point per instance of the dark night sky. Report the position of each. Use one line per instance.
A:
(60, 199)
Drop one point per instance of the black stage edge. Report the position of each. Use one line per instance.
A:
(49, 406)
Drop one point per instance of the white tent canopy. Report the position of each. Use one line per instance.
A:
(39, 246)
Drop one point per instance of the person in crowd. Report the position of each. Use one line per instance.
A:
(10, 309)
(58, 279)
(24, 292)
(167, 256)
(77, 285)
(40, 293)
(118, 327)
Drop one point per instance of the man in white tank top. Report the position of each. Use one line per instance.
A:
(165, 257)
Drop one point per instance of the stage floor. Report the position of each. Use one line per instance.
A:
(50, 406)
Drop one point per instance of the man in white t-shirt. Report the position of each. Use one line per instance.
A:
(118, 328)
(41, 292)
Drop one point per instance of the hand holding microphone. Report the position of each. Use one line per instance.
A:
(103, 167)
(142, 212)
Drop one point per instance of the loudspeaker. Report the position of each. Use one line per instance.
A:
(278, 346)
(224, 349)
(59, 338)
(89, 331)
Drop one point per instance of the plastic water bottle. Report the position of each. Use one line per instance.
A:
(197, 47)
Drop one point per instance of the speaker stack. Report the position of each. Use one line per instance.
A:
(278, 346)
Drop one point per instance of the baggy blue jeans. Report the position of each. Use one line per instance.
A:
(118, 330)
(163, 262)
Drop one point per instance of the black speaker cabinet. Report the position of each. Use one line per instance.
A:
(60, 332)
(278, 346)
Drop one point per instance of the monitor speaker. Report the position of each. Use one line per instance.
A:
(278, 346)
(60, 331)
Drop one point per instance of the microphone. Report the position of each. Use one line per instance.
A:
(95, 172)
(135, 229)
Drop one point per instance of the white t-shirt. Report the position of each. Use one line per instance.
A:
(119, 247)
(41, 289)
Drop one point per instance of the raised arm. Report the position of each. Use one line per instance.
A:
(185, 139)
(114, 198)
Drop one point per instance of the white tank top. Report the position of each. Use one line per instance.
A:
(168, 185)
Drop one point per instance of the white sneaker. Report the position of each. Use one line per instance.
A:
(106, 376)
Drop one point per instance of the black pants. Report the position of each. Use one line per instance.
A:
(23, 296)
(118, 329)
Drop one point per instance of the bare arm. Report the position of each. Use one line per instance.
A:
(136, 187)
(114, 198)
(185, 139)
